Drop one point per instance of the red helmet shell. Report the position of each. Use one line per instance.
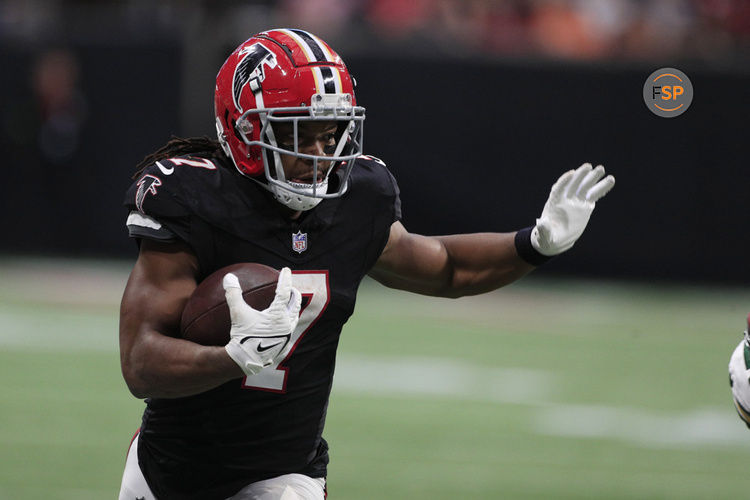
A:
(279, 68)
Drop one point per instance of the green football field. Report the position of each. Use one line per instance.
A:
(545, 389)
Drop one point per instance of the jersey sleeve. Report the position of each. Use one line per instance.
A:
(393, 214)
(384, 186)
(156, 209)
(383, 202)
(141, 225)
(396, 194)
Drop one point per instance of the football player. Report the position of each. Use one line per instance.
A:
(287, 185)
(739, 376)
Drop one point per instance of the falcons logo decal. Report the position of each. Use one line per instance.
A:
(147, 184)
(251, 70)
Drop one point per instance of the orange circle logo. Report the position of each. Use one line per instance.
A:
(668, 92)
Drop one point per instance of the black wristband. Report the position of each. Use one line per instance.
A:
(526, 250)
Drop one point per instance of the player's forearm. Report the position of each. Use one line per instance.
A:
(164, 367)
(481, 262)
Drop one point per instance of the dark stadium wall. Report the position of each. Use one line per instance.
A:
(72, 205)
(475, 146)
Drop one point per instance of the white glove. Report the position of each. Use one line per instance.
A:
(738, 379)
(568, 208)
(258, 338)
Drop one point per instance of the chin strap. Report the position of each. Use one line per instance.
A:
(296, 201)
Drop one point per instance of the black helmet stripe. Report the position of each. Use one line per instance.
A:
(329, 85)
(312, 44)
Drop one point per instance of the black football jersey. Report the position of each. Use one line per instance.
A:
(212, 444)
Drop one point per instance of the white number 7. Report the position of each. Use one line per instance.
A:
(313, 285)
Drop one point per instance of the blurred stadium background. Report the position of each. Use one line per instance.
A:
(601, 376)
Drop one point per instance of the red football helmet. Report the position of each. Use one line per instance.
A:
(291, 76)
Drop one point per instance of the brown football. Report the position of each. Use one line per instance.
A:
(205, 319)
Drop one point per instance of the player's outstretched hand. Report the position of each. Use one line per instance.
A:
(258, 338)
(567, 211)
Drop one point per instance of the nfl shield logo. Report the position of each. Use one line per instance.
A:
(299, 241)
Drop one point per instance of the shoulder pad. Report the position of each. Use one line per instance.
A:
(376, 174)
(372, 172)
(161, 188)
(370, 158)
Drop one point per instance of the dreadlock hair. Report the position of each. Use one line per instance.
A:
(179, 146)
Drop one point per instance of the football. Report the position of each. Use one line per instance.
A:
(205, 319)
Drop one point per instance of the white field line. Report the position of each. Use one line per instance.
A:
(67, 330)
(697, 427)
(413, 376)
(430, 377)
